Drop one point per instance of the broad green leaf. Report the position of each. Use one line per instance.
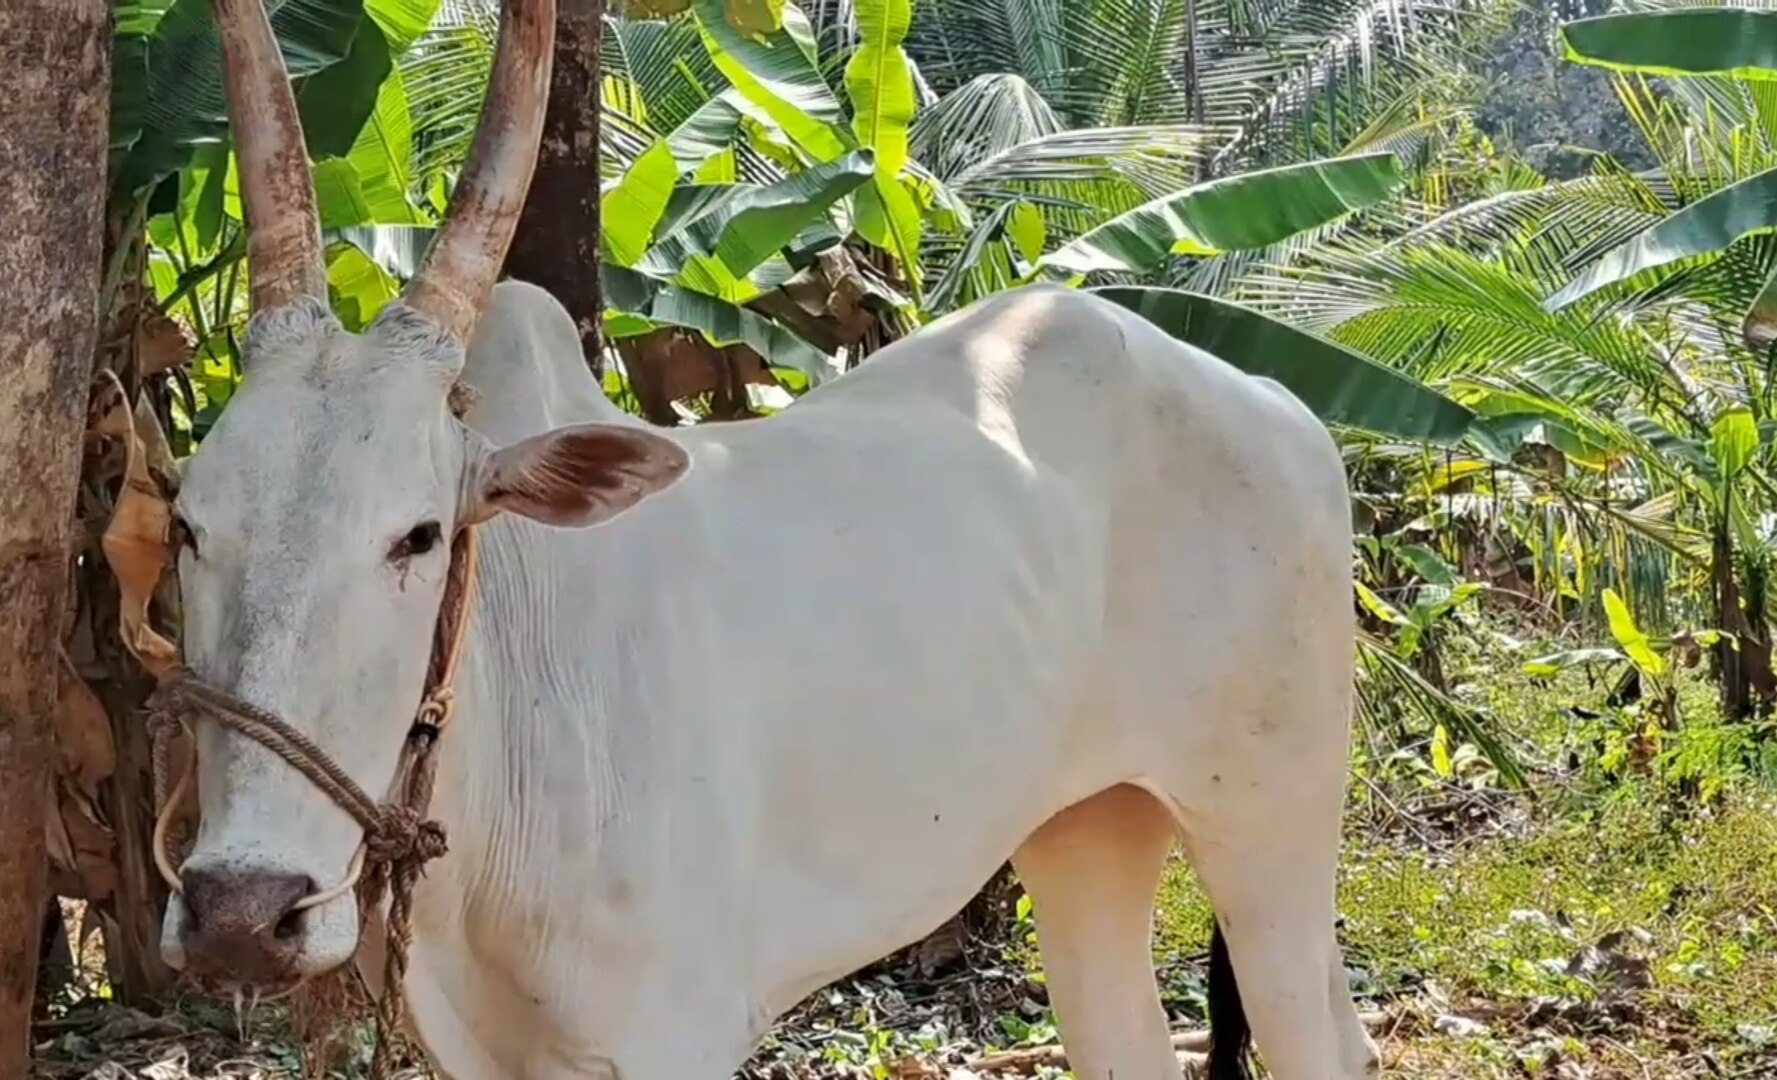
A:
(1629, 635)
(1499, 435)
(1556, 663)
(1338, 385)
(402, 21)
(1440, 753)
(801, 31)
(1429, 565)
(1707, 226)
(340, 196)
(1236, 213)
(382, 156)
(1380, 608)
(336, 102)
(880, 82)
(720, 168)
(129, 92)
(776, 75)
(1733, 439)
(1028, 231)
(885, 214)
(755, 18)
(182, 106)
(1694, 41)
(629, 212)
(637, 304)
(651, 9)
(733, 229)
(357, 287)
(201, 197)
(713, 129)
(137, 18)
(398, 249)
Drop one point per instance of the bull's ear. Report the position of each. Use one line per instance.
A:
(579, 475)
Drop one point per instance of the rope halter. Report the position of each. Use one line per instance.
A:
(399, 839)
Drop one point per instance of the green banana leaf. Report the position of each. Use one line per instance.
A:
(731, 229)
(1236, 213)
(879, 81)
(336, 101)
(168, 81)
(712, 130)
(1339, 385)
(637, 304)
(382, 156)
(629, 212)
(777, 73)
(1692, 41)
(1705, 227)
(750, 17)
(402, 21)
(357, 288)
(886, 214)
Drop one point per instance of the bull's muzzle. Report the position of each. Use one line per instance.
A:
(244, 926)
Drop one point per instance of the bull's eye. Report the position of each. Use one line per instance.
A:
(419, 540)
(181, 535)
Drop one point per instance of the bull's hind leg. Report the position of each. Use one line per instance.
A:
(1269, 868)
(1092, 872)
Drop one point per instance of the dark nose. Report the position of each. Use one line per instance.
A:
(242, 926)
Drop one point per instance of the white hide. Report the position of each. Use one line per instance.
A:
(790, 713)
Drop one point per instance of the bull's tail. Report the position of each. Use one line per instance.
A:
(1230, 1047)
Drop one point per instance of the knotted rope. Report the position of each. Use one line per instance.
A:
(399, 839)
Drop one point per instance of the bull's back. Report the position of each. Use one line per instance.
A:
(1229, 602)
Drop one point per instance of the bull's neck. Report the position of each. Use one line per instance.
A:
(529, 752)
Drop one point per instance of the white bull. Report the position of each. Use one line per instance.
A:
(744, 707)
(1038, 580)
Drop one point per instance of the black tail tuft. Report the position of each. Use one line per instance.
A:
(1231, 1039)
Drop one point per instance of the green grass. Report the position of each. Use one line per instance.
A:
(1487, 928)
(1484, 924)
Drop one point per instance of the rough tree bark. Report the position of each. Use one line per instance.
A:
(557, 246)
(55, 85)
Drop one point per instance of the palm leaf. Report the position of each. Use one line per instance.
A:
(1339, 385)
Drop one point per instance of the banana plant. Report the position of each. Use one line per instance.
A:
(777, 92)
(691, 256)
(1687, 43)
(167, 82)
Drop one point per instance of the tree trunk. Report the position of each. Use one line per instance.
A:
(55, 83)
(557, 246)
(1743, 656)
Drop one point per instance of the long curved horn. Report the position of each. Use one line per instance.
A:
(454, 281)
(284, 258)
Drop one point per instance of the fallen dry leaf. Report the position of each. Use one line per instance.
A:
(135, 542)
(85, 751)
(79, 844)
(161, 344)
(161, 464)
